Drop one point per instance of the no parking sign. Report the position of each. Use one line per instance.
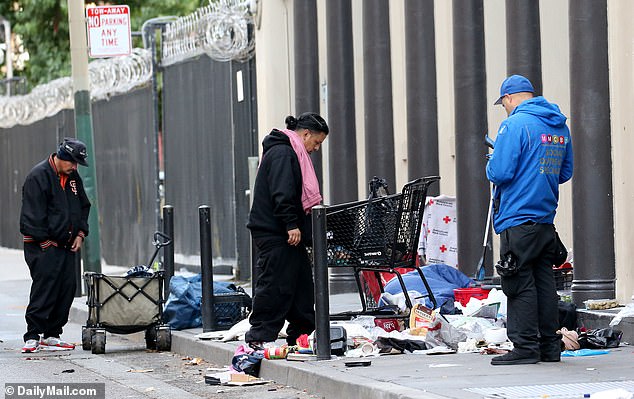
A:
(108, 31)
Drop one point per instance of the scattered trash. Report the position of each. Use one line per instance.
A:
(301, 357)
(68, 371)
(276, 352)
(246, 360)
(601, 338)
(570, 339)
(443, 365)
(148, 389)
(601, 304)
(140, 370)
(195, 361)
(245, 379)
(360, 363)
(584, 352)
(627, 311)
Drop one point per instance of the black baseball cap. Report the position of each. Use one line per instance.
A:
(73, 150)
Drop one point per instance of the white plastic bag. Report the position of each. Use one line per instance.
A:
(627, 311)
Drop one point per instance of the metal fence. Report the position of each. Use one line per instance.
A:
(123, 130)
(209, 133)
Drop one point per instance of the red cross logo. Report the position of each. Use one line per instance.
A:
(446, 219)
(431, 202)
(443, 248)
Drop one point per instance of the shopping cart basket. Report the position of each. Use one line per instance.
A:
(375, 236)
(127, 304)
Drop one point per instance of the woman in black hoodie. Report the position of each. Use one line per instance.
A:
(286, 188)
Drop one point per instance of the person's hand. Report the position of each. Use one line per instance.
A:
(77, 244)
(294, 236)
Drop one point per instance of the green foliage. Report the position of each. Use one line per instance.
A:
(43, 26)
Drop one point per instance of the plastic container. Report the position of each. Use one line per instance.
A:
(463, 295)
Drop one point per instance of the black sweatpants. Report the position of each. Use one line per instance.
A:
(284, 291)
(52, 290)
(532, 301)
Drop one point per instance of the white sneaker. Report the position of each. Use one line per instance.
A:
(55, 344)
(31, 346)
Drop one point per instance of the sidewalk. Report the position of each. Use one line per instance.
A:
(456, 376)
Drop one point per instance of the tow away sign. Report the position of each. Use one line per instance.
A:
(108, 31)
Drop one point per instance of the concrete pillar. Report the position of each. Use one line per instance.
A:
(341, 118)
(422, 105)
(306, 65)
(593, 215)
(472, 187)
(377, 83)
(523, 41)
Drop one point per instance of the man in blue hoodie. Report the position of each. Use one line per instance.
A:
(532, 157)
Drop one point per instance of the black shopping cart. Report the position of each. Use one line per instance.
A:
(376, 236)
(127, 304)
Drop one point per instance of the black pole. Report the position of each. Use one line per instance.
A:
(342, 145)
(523, 41)
(306, 67)
(377, 83)
(472, 187)
(168, 251)
(150, 31)
(594, 274)
(322, 304)
(206, 267)
(422, 104)
(78, 274)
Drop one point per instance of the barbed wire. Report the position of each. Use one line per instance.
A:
(224, 30)
(108, 76)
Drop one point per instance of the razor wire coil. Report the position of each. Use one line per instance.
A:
(108, 76)
(223, 30)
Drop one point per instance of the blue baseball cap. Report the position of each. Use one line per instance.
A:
(514, 84)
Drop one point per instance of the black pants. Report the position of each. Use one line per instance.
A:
(532, 301)
(52, 290)
(284, 291)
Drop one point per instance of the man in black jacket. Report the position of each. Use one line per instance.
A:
(54, 222)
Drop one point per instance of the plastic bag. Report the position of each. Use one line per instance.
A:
(600, 339)
(183, 308)
(627, 311)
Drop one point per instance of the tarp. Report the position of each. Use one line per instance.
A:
(442, 280)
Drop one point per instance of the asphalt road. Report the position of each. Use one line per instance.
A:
(127, 369)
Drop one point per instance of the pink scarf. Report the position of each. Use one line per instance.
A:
(310, 189)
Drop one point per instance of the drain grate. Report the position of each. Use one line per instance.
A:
(554, 391)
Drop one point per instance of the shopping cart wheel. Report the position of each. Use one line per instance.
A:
(86, 337)
(98, 341)
(150, 337)
(164, 338)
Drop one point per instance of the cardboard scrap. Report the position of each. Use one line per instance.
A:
(245, 379)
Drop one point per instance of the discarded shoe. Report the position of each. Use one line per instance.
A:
(512, 358)
(55, 344)
(31, 346)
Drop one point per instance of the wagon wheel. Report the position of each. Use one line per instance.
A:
(86, 337)
(164, 338)
(150, 337)
(98, 341)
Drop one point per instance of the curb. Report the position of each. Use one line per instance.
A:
(318, 378)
